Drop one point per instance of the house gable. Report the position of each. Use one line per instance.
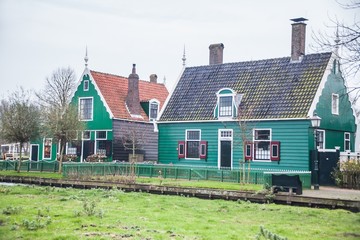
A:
(102, 116)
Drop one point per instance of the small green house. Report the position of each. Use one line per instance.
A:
(224, 114)
(117, 111)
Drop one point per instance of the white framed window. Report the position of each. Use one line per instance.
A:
(347, 141)
(226, 106)
(47, 149)
(86, 109)
(101, 135)
(86, 135)
(262, 142)
(153, 109)
(320, 139)
(192, 139)
(335, 104)
(86, 85)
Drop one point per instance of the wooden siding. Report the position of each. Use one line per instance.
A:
(336, 124)
(101, 118)
(293, 136)
(146, 135)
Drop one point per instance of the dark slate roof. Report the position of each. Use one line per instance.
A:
(272, 88)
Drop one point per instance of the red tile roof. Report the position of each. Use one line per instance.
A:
(114, 90)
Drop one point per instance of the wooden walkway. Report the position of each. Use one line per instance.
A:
(281, 198)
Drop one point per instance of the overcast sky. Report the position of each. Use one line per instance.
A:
(39, 36)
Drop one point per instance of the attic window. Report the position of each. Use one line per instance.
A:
(86, 85)
(153, 110)
(335, 104)
(227, 103)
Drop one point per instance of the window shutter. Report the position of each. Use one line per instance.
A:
(203, 149)
(248, 150)
(275, 151)
(181, 149)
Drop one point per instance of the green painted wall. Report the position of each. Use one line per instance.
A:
(293, 136)
(101, 118)
(335, 125)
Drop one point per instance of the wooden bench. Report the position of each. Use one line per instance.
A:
(286, 183)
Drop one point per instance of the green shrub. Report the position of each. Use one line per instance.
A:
(9, 210)
(347, 174)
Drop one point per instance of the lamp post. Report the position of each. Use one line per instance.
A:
(315, 122)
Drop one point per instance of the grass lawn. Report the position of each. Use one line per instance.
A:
(31, 212)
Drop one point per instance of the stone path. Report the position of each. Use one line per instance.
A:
(333, 193)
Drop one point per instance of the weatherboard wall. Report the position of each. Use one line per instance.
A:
(293, 136)
(335, 125)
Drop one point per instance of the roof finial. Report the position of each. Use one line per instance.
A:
(337, 41)
(86, 58)
(164, 81)
(184, 58)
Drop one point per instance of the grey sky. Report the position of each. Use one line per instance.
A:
(38, 36)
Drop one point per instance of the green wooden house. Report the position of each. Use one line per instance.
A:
(223, 114)
(114, 108)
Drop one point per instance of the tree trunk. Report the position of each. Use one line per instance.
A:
(62, 148)
(19, 163)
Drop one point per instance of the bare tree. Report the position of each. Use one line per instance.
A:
(60, 118)
(19, 119)
(133, 139)
(346, 36)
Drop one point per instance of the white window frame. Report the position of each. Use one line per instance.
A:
(154, 101)
(347, 138)
(51, 143)
(233, 111)
(92, 109)
(322, 146)
(256, 141)
(335, 104)
(86, 85)
(186, 142)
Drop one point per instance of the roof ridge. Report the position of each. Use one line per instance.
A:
(110, 74)
(259, 60)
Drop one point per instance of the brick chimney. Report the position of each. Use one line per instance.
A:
(298, 38)
(153, 78)
(132, 98)
(216, 53)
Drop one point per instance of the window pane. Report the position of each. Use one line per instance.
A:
(192, 149)
(86, 135)
(101, 134)
(193, 135)
(225, 108)
(262, 150)
(154, 110)
(86, 109)
(262, 134)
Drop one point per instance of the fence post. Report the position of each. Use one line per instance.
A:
(28, 166)
(164, 170)
(238, 176)
(222, 175)
(206, 174)
(55, 165)
(189, 174)
(41, 166)
(104, 170)
(176, 173)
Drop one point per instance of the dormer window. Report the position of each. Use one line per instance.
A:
(153, 110)
(225, 106)
(227, 103)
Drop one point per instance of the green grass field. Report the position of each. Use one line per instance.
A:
(31, 212)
